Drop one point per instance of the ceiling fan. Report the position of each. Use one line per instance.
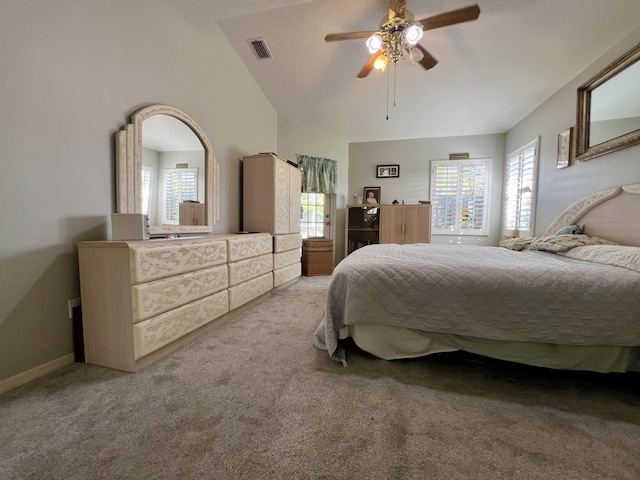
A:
(399, 33)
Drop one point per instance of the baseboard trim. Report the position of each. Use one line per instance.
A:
(36, 372)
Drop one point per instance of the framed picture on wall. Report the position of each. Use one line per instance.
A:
(371, 195)
(565, 148)
(387, 171)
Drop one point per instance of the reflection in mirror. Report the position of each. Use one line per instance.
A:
(172, 172)
(615, 106)
(166, 169)
(608, 117)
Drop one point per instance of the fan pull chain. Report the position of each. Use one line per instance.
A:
(388, 73)
(395, 80)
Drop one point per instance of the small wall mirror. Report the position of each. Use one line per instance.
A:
(167, 170)
(608, 117)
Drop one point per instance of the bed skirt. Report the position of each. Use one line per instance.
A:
(391, 343)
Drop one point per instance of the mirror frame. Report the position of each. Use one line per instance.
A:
(583, 150)
(129, 170)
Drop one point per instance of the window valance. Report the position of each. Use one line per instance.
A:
(319, 175)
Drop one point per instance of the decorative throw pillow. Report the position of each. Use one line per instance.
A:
(569, 230)
(564, 243)
(618, 255)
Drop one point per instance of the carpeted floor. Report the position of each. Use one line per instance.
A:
(253, 399)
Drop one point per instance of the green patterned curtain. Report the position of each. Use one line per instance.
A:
(319, 175)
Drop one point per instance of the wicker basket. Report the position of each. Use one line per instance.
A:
(317, 256)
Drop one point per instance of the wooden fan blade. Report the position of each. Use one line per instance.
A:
(332, 37)
(369, 65)
(397, 8)
(427, 61)
(465, 14)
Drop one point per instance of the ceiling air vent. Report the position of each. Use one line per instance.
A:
(260, 48)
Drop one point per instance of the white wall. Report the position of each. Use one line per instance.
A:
(414, 157)
(72, 73)
(558, 189)
(296, 138)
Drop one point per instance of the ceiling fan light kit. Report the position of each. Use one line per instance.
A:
(413, 33)
(415, 55)
(396, 36)
(380, 63)
(374, 43)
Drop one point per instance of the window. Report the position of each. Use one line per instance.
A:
(520, 190)
(460, 197)
(313, 214)
(180, 184)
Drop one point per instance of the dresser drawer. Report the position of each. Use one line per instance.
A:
(152, 298)
(284, 259)
(290, 241)
(241, 247)
(247, 291)
(283, 275)
(250, 268)
(165, 259)
(159, 331)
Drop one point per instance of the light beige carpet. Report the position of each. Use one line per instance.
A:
(253, 399)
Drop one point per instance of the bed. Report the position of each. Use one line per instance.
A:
(569, 299)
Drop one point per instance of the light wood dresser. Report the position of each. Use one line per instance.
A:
(143, 299)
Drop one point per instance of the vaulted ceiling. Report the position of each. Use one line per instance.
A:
(492, 72)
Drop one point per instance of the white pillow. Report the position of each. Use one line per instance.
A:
(618, 255)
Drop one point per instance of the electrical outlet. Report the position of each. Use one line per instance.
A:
(73, 303)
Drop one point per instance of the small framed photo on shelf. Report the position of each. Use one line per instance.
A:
(371, 195)
(387, 171)
(565, 148)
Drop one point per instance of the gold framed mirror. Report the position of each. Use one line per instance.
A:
(166, 169)
(608, 115)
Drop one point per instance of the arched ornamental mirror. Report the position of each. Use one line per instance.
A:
(166, 169)
(608, 117)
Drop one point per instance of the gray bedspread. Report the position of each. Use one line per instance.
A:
(487, 292)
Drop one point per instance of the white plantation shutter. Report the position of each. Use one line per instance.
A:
(460, 197)
(180, 184)
(520, 190)
(444, 196)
